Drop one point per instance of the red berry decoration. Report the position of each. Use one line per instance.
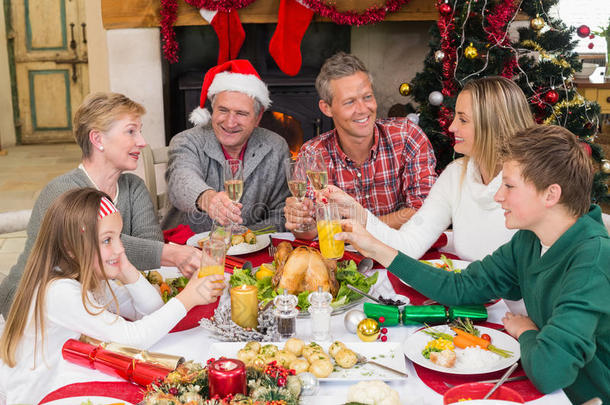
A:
(591, 36)
(445, 9)
(381, 319)
(590, 46)
(551, 97)
(384, 338)
(384, 330)
(583, 31)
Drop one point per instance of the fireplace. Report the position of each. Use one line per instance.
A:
(294, 113)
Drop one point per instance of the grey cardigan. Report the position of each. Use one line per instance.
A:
(195, 165)
(141, 233)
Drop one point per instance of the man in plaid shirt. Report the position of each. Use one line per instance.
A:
(387, 165)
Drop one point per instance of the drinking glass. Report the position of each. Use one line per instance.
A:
(297, 181)
(234, 187)
(221, 233)
(316, 170)
(212, 258)
(328, 223)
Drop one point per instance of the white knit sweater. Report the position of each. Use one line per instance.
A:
(468, 204)
(36, 373)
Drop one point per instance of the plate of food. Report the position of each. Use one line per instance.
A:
(240, 244)
(335, 361)
(451, 349)
(168, 281)
(448, 264)
(302, 270)
(89, 400)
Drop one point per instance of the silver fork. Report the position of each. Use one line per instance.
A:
(518, 378)
(272, 250)
(363, 360)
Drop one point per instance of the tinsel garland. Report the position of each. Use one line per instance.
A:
(446, 27)
(168, 12)
(578, 100)
(528, 43)
(371, 15)
(497, 26)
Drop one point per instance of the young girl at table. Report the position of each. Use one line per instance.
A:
(77, 281)
(488, 112)
(558, 262)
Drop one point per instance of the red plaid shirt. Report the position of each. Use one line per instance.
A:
(398, 173)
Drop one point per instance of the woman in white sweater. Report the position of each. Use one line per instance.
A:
(488, 112)
(68, 289)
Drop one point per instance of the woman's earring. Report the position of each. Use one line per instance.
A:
(101, 148)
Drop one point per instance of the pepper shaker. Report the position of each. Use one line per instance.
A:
(285, 314)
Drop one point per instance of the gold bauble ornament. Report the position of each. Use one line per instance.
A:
(606, 166)
(404, 89)
(537, 23)
(471, 52)
(368, 330)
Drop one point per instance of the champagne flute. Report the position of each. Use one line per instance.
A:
(316, 170)
(297, 181)
(234, 187)
(221, 233)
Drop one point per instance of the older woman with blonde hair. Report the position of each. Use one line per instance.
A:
(108, 129)
(488, 112)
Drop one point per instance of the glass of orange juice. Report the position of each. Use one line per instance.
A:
(328, 223)
(212, 258)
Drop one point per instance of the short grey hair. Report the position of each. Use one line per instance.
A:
(258, 106)
(337, 66)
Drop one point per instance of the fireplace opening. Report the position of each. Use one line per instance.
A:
(294, 113)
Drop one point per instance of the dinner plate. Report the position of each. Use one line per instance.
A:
(416, 342)
(262, 241)
(486, 402)
(457, 264)
(386, 353)
(93, 400)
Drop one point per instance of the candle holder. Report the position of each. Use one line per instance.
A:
(227, 377)
(244, 306)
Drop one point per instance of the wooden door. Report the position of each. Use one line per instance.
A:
(50, 66)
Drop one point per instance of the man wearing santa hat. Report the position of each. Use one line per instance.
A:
(196, 156)
(387, 165)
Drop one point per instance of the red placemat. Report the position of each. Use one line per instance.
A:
(121, 390)
(436, 380)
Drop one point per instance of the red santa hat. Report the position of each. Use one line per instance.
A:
(234, 75)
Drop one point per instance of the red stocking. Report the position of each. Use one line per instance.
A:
(229, 30)
(285, 45)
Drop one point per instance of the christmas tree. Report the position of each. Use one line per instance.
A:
(471, 39)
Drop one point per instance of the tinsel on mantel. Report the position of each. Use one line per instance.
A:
(169, 9)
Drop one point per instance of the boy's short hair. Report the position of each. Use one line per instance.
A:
(550, 154)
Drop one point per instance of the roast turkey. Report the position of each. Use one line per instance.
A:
(303, 269)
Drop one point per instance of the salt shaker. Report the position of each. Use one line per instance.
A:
(285, 314)
(320, 314)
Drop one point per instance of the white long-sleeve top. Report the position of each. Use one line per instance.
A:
(468, 204)
(65, 318)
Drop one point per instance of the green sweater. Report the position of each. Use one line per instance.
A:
(141, 233)
(566, 293)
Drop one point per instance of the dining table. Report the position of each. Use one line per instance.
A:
(422, 387)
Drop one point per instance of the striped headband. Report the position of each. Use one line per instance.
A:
(106, 207)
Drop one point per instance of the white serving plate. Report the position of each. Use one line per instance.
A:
(386, 353)
(487, 402)
(262, 241)
(416, 342)
(94, 400)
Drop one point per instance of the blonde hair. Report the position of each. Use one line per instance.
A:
(98, 112)
(499, 110)
(337, 66)
(67, 246)
(550, 154)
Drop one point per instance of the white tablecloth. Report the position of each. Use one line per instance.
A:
(194, 345)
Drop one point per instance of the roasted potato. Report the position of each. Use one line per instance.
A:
(295, 346)
(346, 358)
(321, 368)
(250, 237)
(334, 348)
(299, 366)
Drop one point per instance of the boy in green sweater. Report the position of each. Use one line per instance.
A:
(559, 263)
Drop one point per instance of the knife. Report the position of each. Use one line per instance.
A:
(351, 287)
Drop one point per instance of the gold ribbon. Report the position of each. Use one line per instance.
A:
(164, 360)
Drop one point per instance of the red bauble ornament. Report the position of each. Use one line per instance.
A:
(590, 46)
(589, 125)
(444, 9)
(551, 97)
(583, 31)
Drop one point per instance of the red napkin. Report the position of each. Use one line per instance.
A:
(178, 235)
(192, 318)
(120, 390)
(112, 363)
(436, 380)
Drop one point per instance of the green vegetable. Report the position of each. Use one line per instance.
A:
(426, 352)
(242, 277)
(347, 273)
(303, 301)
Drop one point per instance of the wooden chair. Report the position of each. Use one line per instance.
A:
(151, 158)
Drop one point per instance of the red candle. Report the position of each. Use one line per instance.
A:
(227, 376)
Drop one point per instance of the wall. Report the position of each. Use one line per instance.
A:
(7, 128)
(394, 52)
(97, 49)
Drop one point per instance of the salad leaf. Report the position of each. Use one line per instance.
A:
(265, 290)
(241, 277)
(303, 301)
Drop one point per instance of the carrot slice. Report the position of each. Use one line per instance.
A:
(482, 343)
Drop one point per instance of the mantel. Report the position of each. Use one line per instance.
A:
(145, 13)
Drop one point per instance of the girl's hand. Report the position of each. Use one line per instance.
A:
(201, 291)
(517, 324)
(366, 243)
(128, 274)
